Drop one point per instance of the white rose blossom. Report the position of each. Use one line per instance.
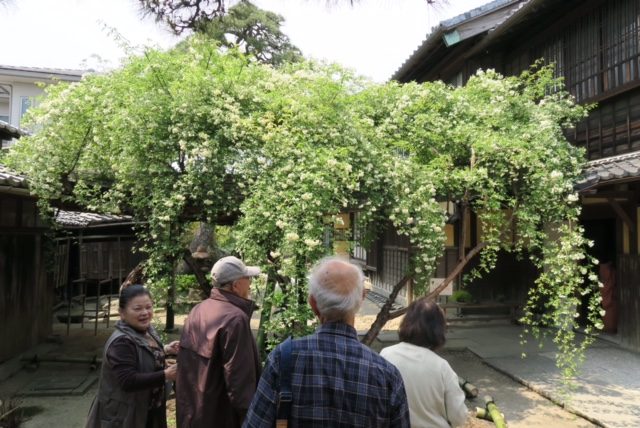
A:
(292, 236)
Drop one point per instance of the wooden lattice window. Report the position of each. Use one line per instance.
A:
(583, 57)
(611, 129)
(619, 43)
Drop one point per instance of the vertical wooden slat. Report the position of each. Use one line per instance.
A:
(628, 123)
(600, 132)
(603, 79)
(629, 300)
(613, 130)
(588, 139)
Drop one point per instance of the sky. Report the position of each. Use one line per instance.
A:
(373, 37)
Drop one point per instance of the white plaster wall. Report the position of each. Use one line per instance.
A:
(4, 107)
(22, 90)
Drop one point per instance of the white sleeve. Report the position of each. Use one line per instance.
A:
(457, 411)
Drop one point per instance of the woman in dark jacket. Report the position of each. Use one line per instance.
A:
(131, 393)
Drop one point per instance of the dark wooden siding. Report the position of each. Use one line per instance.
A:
(107, 259)
(509, 281)
(612, 128)
(582, 46)
(629, 300)
(26, 299)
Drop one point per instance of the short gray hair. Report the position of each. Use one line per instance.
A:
(323, 281)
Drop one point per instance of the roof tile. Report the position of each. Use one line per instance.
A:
(9, 178)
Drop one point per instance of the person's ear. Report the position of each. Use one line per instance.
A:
(314, 305)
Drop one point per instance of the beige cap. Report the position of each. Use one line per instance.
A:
(230, 268)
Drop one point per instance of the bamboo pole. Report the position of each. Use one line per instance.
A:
(470, 390)
(481, 413)
(494, 412)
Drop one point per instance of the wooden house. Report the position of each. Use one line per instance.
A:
(595, 46)
(26, 297)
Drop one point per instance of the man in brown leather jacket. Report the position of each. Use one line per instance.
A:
(218, 365)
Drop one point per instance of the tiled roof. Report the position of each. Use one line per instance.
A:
(435, 35)
(9, 131)
(481, 10)
(13, 180)
(83, 219)
(511, 14)
(615, 168)
(9, 178)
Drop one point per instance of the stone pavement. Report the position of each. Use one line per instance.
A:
(608, 388)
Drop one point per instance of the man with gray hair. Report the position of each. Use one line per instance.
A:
(218, 367)
(335, 381)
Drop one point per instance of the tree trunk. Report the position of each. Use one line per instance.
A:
(383, 315)
(136, 276)
(205, 236)
(200, 277)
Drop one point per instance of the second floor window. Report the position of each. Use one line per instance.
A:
(25, 104)
(603, 49)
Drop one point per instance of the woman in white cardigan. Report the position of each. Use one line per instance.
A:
(435, 398)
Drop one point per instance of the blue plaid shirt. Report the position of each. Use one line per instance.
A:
(336, 382)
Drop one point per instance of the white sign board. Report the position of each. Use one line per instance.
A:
(435, 282)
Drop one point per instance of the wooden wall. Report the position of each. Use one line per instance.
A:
(107, 258)
(509, 281)
(628, 282)
(612, 128)
(26, 300)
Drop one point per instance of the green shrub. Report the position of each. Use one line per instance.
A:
(186, 282)
(462, 296)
